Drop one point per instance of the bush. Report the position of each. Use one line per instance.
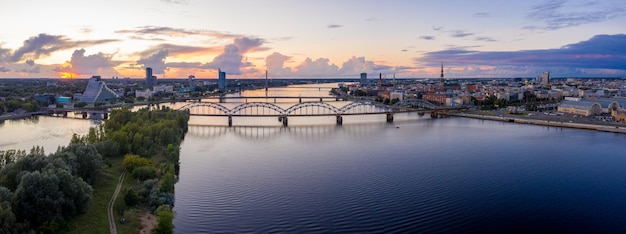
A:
(132, 161)
(144, 172)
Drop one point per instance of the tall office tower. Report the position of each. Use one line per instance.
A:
(150, 79)
(545, 79)
(363, 78)
(221, 81)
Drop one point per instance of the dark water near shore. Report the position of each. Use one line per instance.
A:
(420, 175)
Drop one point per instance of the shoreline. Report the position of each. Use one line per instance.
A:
(596, 127)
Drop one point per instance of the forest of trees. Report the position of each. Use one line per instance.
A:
(39, 192)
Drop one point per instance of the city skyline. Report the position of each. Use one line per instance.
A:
(320, 39)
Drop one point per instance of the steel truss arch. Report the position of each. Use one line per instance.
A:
(249, 105)
(216, 106)
(291, 110)
(357, 104)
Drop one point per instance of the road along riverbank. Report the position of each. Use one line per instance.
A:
(550, 123)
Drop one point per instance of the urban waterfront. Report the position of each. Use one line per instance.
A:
(415, 174)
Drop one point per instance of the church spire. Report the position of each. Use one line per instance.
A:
(441, 78)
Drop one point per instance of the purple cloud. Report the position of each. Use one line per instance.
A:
(599, 52)
(460, 33)
(231, 60)
(430, 38)
(4, 69)
(552, 15)
(44, 44)
(155, 61)
(334, 26)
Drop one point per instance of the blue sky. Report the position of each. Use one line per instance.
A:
(324, 38)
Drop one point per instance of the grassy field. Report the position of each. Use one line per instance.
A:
(95, 220)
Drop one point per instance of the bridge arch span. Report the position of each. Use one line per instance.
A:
(364, 107)
(252, 108)
(205, 108)
(313, 106)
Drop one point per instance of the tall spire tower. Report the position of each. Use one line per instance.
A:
(441, 78)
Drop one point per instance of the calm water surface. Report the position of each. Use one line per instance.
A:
(424, 175)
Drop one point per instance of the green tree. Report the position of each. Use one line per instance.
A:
(130, 197)
(132, 161)
(165, 216)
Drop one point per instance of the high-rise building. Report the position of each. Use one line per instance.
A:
(191, 80)
(363, 78)
(221, 80)
(545, 79)
(150, 79)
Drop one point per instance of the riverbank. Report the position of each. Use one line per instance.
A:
(550, 123)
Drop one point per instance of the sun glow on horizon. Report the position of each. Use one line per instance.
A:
(67, 75)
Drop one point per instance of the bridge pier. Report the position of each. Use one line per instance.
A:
(84, 115)
(434, 115)
(65, 114)
(389, 117)
(285, 122)
(105, 116)
(230, 121)
(339, 120)
(299, 100)
(321, 100)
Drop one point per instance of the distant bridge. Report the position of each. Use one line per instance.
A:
(265, 109)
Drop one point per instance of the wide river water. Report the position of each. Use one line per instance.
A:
(414, 175)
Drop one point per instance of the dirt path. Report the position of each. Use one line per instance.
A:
(112, 201)
(149, 221)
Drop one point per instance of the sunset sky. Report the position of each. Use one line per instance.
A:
(321, 38)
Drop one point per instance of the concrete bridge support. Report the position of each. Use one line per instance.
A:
(339, 120)
(434, 115)
(285, 121)
(389, 117)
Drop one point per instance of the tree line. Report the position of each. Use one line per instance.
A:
(39, 192)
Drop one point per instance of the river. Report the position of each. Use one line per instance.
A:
(416, 174)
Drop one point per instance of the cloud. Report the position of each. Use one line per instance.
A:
(44, 44)
(175, 50)
(404, 50)
(94, 64)
(176, 32)
(334, 26)
(460, 33)
(4, 70)
(557, 14)
(275, 63)
(481, 15)
(184, 65)
(231, 60)
(356, 65)
(155, 61)
(487, 39)
(322, 67)
(30, 62)
(599, 52)
(439, 28)
(179, 2)
(430, 38)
